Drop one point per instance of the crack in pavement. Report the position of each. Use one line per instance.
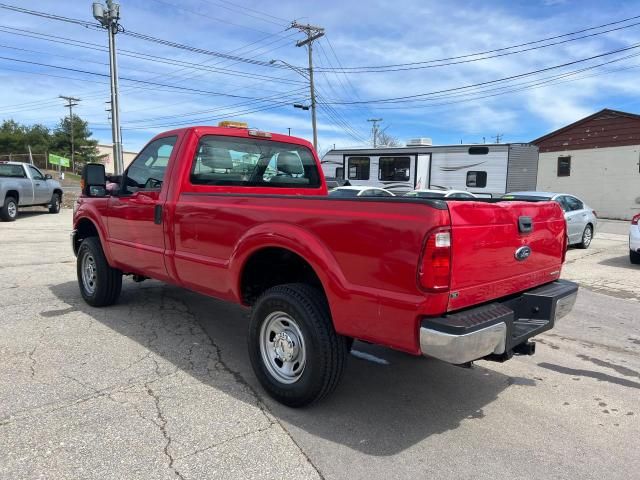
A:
(221, 365)
(162, 425)
(228, 440)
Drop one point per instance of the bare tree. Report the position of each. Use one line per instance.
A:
(385, 139)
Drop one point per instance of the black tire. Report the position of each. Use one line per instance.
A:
(587, 236)
(634, 257)
(54, 206)
(106, 284)
(9, 210)
(325, 351)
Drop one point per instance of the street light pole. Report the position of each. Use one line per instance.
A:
(108, 18)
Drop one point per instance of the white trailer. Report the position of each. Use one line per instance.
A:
(485, 169)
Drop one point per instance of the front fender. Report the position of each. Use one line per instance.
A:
(93, 211)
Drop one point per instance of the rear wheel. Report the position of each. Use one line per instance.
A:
(9, 210)
(634, 257)
(587, 236)
(54, 206)
(295, 352)
(100, 285)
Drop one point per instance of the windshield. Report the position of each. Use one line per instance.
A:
(425, 194)
(516, 196)
(346, 192)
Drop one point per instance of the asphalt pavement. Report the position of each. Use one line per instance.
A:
(160, 386)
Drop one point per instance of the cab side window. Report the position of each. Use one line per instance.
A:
(35, 173)
(148, 169)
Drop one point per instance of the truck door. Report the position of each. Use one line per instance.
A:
(41, 193)
(135, 220)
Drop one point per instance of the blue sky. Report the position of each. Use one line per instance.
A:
(378, 33)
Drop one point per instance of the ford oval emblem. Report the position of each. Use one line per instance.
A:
(522, 253)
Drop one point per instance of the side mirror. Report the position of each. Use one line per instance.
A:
(94, 180)
(47, 177)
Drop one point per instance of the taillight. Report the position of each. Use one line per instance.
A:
(434, 272)
(636, 219)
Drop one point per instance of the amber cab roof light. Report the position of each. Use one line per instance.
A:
(232, 124)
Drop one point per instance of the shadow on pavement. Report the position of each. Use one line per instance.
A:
(620, 262)
(378, 409)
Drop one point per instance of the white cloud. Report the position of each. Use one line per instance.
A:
(382, 33)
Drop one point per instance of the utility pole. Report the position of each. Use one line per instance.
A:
(499, 137)
(108, 17)
(289, 128)
(71, 102)
(374, 129)
(313, 34)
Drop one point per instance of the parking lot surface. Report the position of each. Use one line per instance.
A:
(160, 386)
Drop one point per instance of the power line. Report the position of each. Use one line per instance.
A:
(145, 82)
(144, 56)
(205, 15)
(455, 60)
(141, 36)
(244, 10)
(406, 98)
(552, 80)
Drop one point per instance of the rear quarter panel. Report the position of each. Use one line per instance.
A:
(364, 252)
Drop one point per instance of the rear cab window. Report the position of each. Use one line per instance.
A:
(11, 171)
(252, 162)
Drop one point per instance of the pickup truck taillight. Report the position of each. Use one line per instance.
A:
(434, 272)
(636, 219)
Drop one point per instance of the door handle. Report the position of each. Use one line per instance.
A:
(157, 215)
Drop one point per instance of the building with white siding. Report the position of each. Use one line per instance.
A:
(597, 159)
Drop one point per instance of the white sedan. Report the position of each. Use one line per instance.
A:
(452, 194)
(355, 191)
(634, 240)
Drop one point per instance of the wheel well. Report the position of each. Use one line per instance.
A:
(269, 267)
(57, 190)
(85, 229)
(14, 194)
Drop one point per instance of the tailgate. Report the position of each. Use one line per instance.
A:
(485, 239)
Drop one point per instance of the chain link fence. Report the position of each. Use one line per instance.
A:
(40, 160)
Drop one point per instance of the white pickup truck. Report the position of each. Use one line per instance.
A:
(23, 185)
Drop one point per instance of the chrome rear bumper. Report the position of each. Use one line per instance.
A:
(496, 329)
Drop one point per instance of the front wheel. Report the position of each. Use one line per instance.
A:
(100, 284)
(634, 257)
(54, 206)
(587, 236)
(295, 352)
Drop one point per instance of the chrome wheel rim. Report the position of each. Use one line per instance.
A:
(587, 236)
(89, 274)
(12, 209)
(282, 347)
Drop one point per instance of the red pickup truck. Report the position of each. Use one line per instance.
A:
(245, 216)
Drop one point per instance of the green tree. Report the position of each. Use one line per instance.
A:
(12, 136)
(85, 147)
